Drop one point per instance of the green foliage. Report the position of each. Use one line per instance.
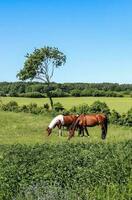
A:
(32, 95)
(37, 63)
(41, 65)
(59, 93)
(58, 107)
(100, 107)
(86, 171)
(81, 109)
(46, 106)
(66, 89)
(13, 106)
(115, 117)
(97, 107)
(10, 106)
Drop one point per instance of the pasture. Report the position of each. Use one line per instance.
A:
(34, 166)
(31, 129)
(120, 104)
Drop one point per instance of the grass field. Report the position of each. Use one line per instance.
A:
(31, 129)
(119, 104)
(32, 162)
(40, 160)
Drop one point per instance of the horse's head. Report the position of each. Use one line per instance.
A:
(49, 130)
(71, 133)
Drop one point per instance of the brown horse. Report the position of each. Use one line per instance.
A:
(65, 121)
(90, 121)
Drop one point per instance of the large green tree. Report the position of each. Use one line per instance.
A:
(41, 65)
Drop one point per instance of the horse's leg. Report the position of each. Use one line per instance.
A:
(71, 133)
(79, 131)
(103, 131)
(60, 132)
(86, 130)
(82, 129)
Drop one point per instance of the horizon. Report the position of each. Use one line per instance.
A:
(64, 82)
(95, 36)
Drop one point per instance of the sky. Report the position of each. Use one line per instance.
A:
(95, 36)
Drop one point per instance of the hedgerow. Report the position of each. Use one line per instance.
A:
(66, 171)
(97, 107)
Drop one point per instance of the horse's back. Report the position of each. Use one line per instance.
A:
(91, 119)
(69, 119)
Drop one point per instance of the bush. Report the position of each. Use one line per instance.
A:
(82, 170)
(81, 109)
(99, 107)
(10, 106)
(115, 117)
(2, 94)
(32, 95)
(46, 106)
(58, 107)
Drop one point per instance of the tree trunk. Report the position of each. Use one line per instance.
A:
(51, 102)
(49, 95)
(50, 98)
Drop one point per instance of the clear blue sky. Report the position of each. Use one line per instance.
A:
(95, 35)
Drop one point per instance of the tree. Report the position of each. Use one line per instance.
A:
(41, 65)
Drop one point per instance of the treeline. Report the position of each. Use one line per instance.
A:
(38, 90)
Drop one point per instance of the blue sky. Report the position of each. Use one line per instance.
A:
(95, 35)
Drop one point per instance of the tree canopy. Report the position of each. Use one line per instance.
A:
(41, 65)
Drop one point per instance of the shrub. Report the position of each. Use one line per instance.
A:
(99, 107)
(115, 117)
(81, 109)
(32, 95)
(10, 106)
(33, 108)
(46, 106)
(79, 169)
(58, 107)
(2, 94)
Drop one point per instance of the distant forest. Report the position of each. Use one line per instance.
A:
(37, 89)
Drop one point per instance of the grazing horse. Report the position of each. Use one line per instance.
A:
(67, 121)
(90, 121)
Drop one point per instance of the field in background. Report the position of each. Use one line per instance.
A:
(120, 104)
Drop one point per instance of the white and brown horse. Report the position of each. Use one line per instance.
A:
(65, 121)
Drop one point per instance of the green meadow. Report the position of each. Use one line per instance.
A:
(31, 129)
(120, 104)
(34, 166)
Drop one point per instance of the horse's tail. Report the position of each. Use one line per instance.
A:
(105, 127)
(106, 123)
(75, 123)
(73, 127)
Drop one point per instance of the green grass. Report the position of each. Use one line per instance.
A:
(34, 165)
(31, 129)
(119, 104)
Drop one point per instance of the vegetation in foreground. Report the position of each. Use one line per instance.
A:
(67, 171)
(85, 168)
